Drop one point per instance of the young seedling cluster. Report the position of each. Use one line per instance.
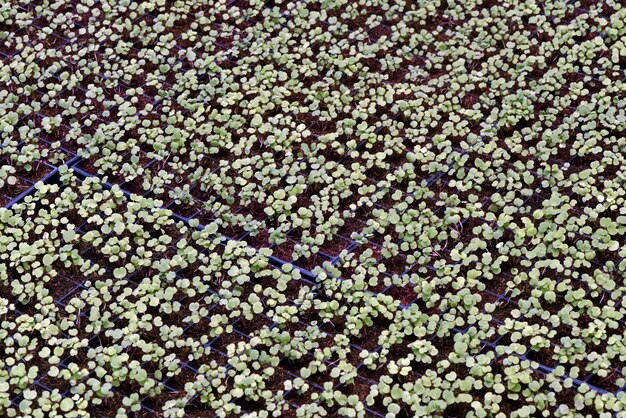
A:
(217, 208)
